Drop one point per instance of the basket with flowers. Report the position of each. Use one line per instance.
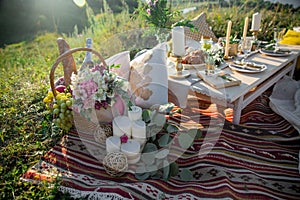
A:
(89, 90)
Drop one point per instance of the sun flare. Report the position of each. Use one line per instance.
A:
(79, 3)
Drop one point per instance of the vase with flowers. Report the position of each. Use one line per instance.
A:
(213, 57)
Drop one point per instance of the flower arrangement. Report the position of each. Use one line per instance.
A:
(214, 54)
(160, 17)
(97, 88)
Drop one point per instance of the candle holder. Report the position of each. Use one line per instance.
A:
(254, 33)
(178, 64)
(180, 73)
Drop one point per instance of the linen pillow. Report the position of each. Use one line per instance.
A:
(291, 37)
(123, 59)
(148, 81)
(203, 29)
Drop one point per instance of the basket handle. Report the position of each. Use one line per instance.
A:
(68, 53)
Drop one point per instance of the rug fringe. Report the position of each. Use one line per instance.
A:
(91, 195)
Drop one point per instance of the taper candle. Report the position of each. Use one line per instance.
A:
(256, 18)
(227, 39)
(245, 28)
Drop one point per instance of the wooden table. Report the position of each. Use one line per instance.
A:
(252, 84)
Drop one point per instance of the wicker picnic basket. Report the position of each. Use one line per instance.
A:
(102, 116)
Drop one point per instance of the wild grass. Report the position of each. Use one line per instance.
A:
(26, 127)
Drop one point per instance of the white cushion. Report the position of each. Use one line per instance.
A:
(123, 59)
(149, 77)
(282, 100)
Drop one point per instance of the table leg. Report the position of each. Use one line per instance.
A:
(237, 109)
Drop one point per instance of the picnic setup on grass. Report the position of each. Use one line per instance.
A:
(192, 117)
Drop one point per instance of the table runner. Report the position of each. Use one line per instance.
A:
(256, 160)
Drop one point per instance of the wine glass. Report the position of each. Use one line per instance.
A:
(246, 46)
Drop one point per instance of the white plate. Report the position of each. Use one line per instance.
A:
(239, 68)
(275, 54)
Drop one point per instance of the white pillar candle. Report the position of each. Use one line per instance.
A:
(227, 39)
(132, 151)
(245, 28)
(135, 113)
(256, 18)
(178, 41)
(121, 126)
(113, 144)
(139, 131)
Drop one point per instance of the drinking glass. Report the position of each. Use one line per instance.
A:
(278, 35)
(246, 46)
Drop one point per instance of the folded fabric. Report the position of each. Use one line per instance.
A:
(148, 79)
(291, 37)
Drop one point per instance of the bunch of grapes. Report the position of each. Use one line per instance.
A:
(61, 107)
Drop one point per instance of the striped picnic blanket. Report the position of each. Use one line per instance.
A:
(255, 160)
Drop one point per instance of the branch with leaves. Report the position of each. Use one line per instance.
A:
(156, 160)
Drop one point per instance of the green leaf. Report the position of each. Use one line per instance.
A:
(195, 133)
(152, 169)
(158, 119)
(142, 176)
(172, 128)
(166, 108)
(149, 147)
(164, 140)
(186, 175)
(115, 66)
(162, 154)
(140, 169)
(185, 140)
(174, 169)
(153, 129)
(146, 116)
(129, 104)
(148, 158)
(166, 170)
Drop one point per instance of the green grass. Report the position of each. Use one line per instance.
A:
(25, 126)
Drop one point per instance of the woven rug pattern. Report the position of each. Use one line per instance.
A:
(255, 160)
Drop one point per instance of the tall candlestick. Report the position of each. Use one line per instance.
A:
(178, 41)
(245, 28)
(256, 18)
(227, 39)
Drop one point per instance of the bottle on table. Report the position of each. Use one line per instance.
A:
(88, 61)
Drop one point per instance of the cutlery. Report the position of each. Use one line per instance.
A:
(246, 67)
(248, 64)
